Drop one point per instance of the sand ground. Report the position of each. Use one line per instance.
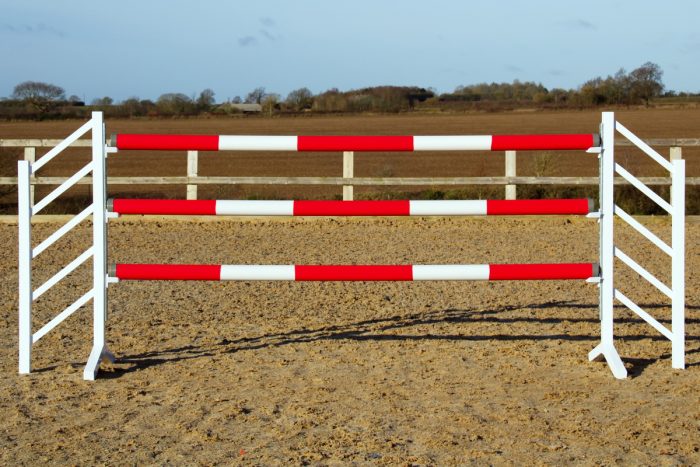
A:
(335, 373)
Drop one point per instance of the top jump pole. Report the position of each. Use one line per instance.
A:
(160, 142)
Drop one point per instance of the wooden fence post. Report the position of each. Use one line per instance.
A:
(348, 169)
(192, 172)
(30, 155)
(676, 155)
(510, 172)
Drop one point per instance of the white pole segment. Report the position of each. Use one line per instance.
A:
(99, 261)
(678, 264)
(257, 143)
(254, 208)
(452, 143)
(257, 272)
(448, 208)
(456, 272)
(24, 216)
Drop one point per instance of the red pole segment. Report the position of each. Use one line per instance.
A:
(501, 272)
(501, 207)
(205, 207)
(166, 142)
(168, 272)
(543, 142)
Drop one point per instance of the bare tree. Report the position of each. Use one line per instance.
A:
(40, 95)
(255, 96)
(645, 81)
(270, 103)
(205, 99)
(300, 99)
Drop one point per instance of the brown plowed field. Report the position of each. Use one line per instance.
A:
(335, 373)
(651, 123)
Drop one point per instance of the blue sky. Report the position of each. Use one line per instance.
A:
(146, 48)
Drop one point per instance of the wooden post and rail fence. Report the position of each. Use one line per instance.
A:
(347, 181)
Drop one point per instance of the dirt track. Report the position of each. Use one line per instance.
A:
(385, 373)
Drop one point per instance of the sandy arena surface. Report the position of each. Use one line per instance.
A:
(336, 373)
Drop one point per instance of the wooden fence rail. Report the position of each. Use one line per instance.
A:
(347, 181)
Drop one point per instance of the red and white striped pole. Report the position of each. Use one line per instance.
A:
(548, 142)
(352, 208)
(457, 272)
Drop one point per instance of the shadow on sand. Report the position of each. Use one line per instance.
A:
(385, 329)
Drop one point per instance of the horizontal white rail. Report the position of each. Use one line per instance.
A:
(643, 188)
(357, 181)
(643, 272)
(62, 273)
(643, 314)
(68, 226)
(62, 188)
(61, 146)
(62, 316)
(643, 230)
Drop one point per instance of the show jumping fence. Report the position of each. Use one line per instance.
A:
(101, 209)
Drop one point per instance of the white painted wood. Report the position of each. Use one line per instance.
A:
(61, 146)
(447, 208)
(451, 272)
(348, 171)
(254, 208)
(99, 237)
(678, 265)
(511, 172)
(452, 143)
(24, 215)
(257, 143)
(30, 156)
(606, 348)
(249, 272)
(192, 166)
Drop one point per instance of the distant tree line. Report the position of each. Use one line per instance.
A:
(39, 100)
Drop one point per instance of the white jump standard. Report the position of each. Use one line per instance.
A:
(101, 209)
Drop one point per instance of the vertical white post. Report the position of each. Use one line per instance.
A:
(24, 217)
(510, 172)
(607, 247)
(606, 348)
(30, 156)
(678, 262)
(99, 261)
(348, 169)
(192, 157)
